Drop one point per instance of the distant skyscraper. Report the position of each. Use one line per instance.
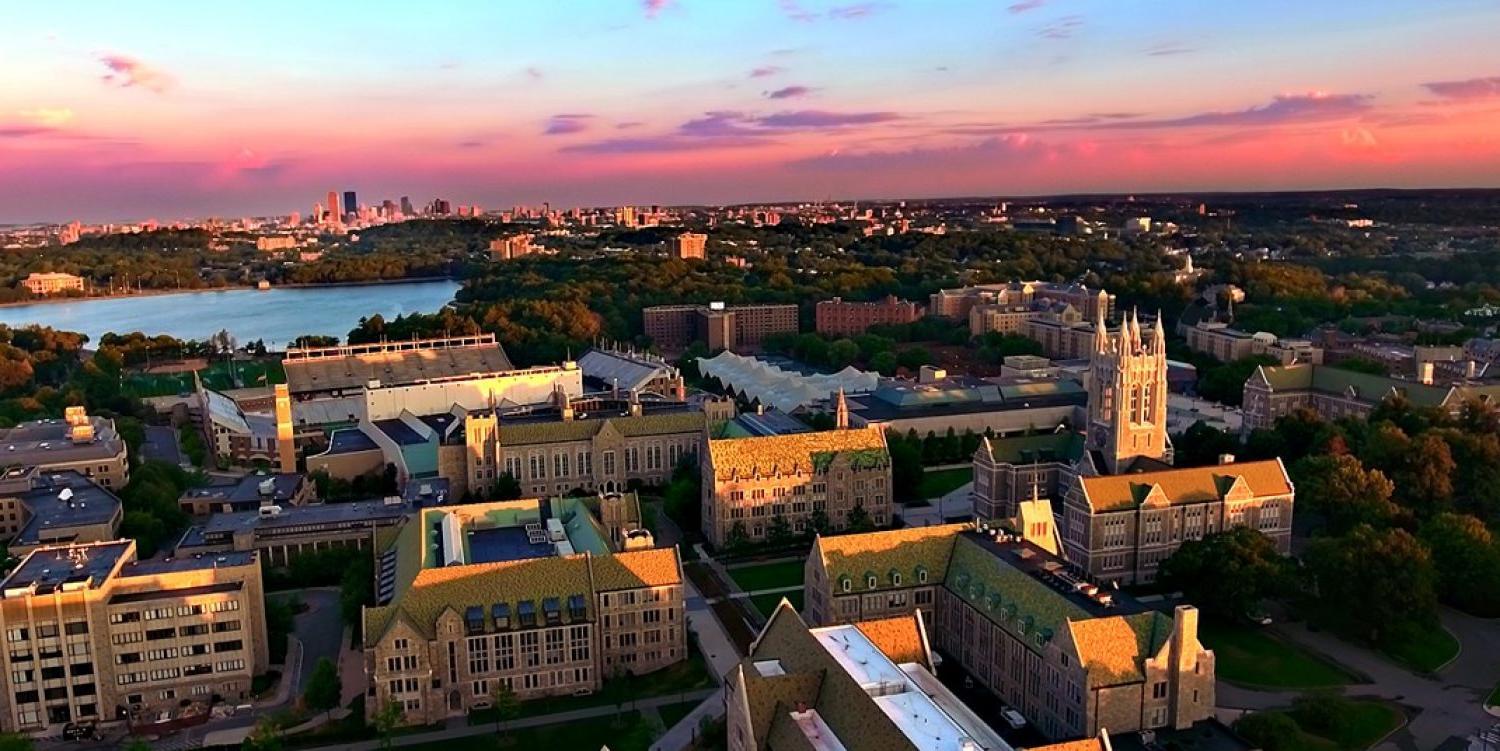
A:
(406, 208)
(388, 209)
(351, 204)
(333, 206)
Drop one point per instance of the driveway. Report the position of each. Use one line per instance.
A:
(161, 444)
(1440, 708)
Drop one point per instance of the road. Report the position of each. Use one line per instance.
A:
(320, 630)
(1442, 707)
(161, 444)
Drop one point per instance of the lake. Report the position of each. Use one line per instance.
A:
(277, 315)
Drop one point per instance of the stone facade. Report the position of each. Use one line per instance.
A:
(750, 483)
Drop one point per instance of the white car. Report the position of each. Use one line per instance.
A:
(1013, 718)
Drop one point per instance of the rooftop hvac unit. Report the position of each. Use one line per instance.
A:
(65, 495)
(267, 487)
(270, 511)
(81, 433)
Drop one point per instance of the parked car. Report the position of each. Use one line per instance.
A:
(1012, 718)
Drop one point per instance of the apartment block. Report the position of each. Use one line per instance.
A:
(672, 328)
(89, 445)
(94, 634)
(688, 245)
(838, 317)
(1228, 344)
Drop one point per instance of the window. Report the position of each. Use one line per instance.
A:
(1159, 690)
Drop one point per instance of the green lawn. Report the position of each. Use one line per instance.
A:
(940, 482)
(1251, 656)
(1342, 725)
(768, 575)
(766, 603)
(1430, 650)
(628, 732)
(671, 714)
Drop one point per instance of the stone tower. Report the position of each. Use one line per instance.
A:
(841, 412)
(1128, 395)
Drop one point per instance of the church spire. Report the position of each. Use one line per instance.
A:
(841, 412)
(1101, 334)
(1159, 343)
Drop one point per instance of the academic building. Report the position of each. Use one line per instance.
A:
(1072, 656)
(956, 303)
(93, 634)
(1123, 508)
(88, 445)
(537, 596)
(751, 483)
(1333, 393)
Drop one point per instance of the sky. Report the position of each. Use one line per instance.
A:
(168, 110)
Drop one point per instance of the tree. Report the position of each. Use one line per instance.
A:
(386, 720)
(1467, 560)
(506, 488)
(842, 353)
(883, 363)
(819, 523)
(906, 468)
(1372, 585)
(265, 737)
(779, 531)
(1343, 492)
(323, 687)
(1227, 574)
(859, 520)
(737, 538)
(1271, 731)
(913, 358)
(1202, 445)
(507, 707)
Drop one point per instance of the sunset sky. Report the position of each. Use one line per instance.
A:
(124, 111)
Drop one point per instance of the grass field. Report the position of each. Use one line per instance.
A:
(1353, 726)
(217, 376)
(766, 603)
(768, 575)
(1253, 657)
(629, 733)
(671, 714)
(940, 482)
(1432, 649)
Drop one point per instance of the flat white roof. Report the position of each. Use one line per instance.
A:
(927, 713)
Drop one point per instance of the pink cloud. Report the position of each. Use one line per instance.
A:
(1467, 89)
(858, 10)
(793, 9)
(816, 119)
(128, 72)
(655, 7)
(1025, 5)
(534, 73)
(766, 71)
(560, 125)
(789, 92)
(1062, 28)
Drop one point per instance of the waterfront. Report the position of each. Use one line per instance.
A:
(276, 316)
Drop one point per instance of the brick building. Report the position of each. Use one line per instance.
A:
(838, 317)
(740, 328)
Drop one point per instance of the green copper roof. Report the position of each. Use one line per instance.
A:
(1062, 447)
(1024, 601)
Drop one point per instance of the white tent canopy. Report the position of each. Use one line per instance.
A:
(785, 390)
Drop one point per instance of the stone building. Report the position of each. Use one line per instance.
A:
(525, 594)
(89, 445)
(92, 634)
(1122, 507)
(1334, 393)
(1073, 657)
(956, 303)
(752, 484)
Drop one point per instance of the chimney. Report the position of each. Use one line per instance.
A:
(1424, 373)
(1226, 458)
(286, 447)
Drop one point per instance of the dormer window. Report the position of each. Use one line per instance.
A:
(845, 584)
(870, 581)
(921, 575)
(895, 578)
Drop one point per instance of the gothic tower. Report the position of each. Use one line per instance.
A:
(1128, 395)
(841, 412)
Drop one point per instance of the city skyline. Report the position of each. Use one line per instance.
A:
(116, 115)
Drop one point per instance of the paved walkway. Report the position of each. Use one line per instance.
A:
(682, 735)
(1441, 708)
(958, 502)
(465, 730)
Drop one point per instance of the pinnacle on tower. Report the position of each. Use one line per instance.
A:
(1160, 343)
(1101, 335)
(841, 412)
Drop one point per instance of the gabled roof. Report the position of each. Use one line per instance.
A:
(1114, 649)
(1185, 485)
(898, 638)
(904, 550)
(564, 431)
(1367, 387)
(641, 568)
(793, 453)
(1019, 602)
(1066, 446)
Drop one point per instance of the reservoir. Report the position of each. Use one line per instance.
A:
(276, 316)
